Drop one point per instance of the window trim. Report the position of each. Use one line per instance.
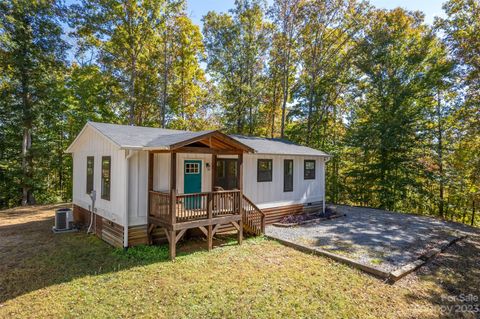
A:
(269, 160)
(305, 177)
(285, 190)
(103, 195)
(87, 190)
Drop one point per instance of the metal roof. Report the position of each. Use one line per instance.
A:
(277, 146)
(138, 137)
(127, 136)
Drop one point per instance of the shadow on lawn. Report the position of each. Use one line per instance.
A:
(457, 272)
(32, 257)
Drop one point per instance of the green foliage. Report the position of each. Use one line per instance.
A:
(32, 64)
(394, 58)
(147, 254)
(236, 45)
(395, 101)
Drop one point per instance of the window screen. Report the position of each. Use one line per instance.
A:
(106, 182)
(90, 169)
(264, 170)
(309, 169)
(288, 175)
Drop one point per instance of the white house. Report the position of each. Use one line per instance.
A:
(152, 182)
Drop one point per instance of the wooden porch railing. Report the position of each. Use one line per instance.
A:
(160, 205)
(253, 217)
(189, 207)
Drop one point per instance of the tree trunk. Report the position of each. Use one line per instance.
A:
(309, 115)
(274, 105)
(311, 93)
(472, 221)
(133, 76)
(27, 159)
(60, 162)
(250, 97)
(440, 156)
(335, 162)
(163, 106)
(285, 93)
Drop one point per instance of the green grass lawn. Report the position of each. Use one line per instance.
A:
(75, 275)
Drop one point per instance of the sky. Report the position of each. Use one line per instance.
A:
(431, 8)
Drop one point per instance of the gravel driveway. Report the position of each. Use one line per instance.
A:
(376, 237)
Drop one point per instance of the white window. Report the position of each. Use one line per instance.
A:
(192, 168)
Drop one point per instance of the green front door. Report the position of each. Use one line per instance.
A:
(192, 182)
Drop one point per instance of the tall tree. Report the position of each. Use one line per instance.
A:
(396, 59)
(286, 15)
(237, 46)
(121, 32)
(164, 54)
(32, 52)
(461, 29)
(325, 42)
(188, 98)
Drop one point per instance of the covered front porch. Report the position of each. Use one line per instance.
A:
(198, 183)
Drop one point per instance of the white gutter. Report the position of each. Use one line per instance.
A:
(128, 155)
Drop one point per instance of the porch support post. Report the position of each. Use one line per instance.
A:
(210, 216)
(150, 171)
(240, 199)
(214, 170)
(150, 188)
(173, 187)
(172, 241)
(173, 206)
(240, 231)
(173, 171)
(210, 237)
(240, 172)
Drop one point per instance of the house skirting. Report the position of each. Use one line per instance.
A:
(276, 214)
(112, 233)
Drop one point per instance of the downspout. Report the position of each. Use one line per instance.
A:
(325, 160)
(128, 155)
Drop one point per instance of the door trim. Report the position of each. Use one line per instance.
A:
(237, 175)
(201, 172)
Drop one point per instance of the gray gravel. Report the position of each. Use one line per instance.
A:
(380, 238)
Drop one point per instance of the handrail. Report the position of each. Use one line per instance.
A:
(159, 193)
(206, 205)
(159, 205)
(206, 193)
(254, 219)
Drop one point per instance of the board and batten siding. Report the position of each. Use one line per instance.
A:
(91, 143)
(271, 194)
(138, 190)
(161, 174)
(264, 194)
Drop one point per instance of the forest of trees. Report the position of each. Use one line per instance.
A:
(396, 101)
